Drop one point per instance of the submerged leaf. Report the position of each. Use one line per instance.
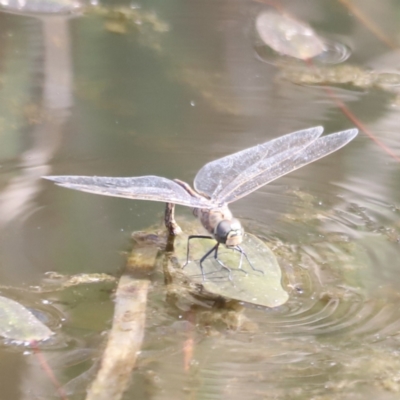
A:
(349, 76)
(260, 288)
(18, 323)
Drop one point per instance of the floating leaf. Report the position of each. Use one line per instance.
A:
(260, 288)
(18, 323)
(288, 36)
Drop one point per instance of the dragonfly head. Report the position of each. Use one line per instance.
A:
(229, 232)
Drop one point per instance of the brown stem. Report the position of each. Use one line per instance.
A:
(169, 218)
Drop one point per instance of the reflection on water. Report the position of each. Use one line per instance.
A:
(39, 7)
(104, 95)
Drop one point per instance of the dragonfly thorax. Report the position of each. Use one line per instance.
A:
(220, 223)
(229, 232)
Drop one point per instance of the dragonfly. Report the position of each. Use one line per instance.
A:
(219, 183)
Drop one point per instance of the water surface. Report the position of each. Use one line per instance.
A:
(161, 91)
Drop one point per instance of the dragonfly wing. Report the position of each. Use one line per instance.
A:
(216, 175)
(153, 188)
(269, 169)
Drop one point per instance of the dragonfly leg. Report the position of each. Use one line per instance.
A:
(243, 253)
(215, 250)
(169, 219)
(224, 266)
(241, 260)
(188, 247)
(220, 262)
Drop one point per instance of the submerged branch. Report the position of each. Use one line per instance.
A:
(124, 341)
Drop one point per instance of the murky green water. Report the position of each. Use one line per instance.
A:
(161, 89)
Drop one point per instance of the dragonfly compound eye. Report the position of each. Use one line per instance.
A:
(229, 232)
(222, 230)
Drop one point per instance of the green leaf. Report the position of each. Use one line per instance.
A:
(18, 323)
(245, 284)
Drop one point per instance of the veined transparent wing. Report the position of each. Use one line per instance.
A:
(216, 175)
(269, 169)
(153, 188)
